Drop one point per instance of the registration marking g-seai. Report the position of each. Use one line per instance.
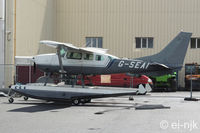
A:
(134, 64)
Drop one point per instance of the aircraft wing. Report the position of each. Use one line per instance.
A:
(70, 46)
(159, 65)
(55, 44)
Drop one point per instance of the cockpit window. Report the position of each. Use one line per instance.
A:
(74, 55)
(99, 58)
(88, 56)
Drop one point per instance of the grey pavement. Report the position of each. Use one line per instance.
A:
(155, 112)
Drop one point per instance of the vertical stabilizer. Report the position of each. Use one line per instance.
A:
(173, 54)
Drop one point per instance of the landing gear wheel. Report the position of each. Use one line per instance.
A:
(11, 100)
(25, 98)
(76, 102)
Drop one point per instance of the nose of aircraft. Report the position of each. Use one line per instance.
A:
(40, 59)
(43, 59)
(33, 59)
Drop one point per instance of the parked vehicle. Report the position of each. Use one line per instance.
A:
(165, 82)
(192, 72)
(116, 80)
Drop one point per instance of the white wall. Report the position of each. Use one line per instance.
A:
(2, 9)
(34, 22)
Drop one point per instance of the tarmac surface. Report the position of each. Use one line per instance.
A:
(152, 113)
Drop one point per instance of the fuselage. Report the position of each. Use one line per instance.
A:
(90, 63)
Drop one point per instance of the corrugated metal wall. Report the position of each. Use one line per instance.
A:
(34, 22)
(120, 21)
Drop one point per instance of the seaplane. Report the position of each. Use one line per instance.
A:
(71, 60)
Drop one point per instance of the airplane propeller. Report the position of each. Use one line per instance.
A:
(34, 67)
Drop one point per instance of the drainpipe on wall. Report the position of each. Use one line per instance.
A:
(14, 37)
(15, 27)
(2, 43)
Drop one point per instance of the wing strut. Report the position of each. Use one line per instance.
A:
(60, 60)
(60, 63)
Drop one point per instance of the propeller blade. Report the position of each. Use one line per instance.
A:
(34, 67)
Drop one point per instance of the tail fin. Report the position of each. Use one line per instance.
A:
(173, 54)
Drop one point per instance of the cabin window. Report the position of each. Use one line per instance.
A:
(88, 56)
(96, 42)
(74, 55)
(144, 42)
(99, 58)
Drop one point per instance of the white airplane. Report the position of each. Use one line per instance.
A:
(71, 60)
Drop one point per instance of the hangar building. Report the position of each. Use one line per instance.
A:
(128, 28)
